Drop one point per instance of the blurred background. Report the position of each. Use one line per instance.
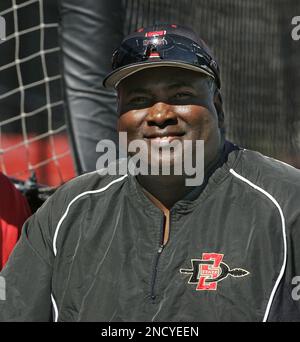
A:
(54, 110)
(33, 132)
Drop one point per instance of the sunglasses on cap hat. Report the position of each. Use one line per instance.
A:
(165, 47)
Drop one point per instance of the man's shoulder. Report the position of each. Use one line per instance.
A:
(92, 182)
(80, 187)
(271, 175)
(270, 167)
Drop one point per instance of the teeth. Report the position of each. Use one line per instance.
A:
(164, 141)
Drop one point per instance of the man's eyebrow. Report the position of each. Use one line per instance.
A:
(149, 92)
(180, 85)
(139, 91)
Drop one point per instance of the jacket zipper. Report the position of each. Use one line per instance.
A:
(155, 268)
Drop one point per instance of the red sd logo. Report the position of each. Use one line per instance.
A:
(210, 270)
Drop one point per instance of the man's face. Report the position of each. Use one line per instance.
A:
(160, 105)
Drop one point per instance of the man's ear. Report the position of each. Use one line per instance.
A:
(218, 102)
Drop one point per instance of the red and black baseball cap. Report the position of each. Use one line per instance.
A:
(162, 45)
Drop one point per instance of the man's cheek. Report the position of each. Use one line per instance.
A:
(126, 123)
(128, 133)
(202, 126)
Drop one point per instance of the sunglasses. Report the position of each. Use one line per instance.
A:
(168, 47)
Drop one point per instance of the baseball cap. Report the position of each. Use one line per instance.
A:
(162, 45)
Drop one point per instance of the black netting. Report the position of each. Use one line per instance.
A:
(33, 130)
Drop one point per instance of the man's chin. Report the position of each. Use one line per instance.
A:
(170, 166)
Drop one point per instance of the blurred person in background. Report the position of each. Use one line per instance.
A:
(14, 211)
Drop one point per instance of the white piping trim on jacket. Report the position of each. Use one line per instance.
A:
(76, 199)
(54, 308)
(284, 239)
(65, 215)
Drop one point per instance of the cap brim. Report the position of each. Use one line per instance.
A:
(117, 76)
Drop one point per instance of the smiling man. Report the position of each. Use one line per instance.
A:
(148, 247)
(160, 107)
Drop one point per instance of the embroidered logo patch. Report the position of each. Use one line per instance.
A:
(210, 270)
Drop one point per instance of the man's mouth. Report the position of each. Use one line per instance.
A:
(164, 139)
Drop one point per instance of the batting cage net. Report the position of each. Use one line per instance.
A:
(33, 136)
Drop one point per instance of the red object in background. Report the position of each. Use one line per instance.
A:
(14, 210)
(39, 154)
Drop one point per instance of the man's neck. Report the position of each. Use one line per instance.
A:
(167, 189)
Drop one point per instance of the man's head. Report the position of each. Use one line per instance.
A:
(168, 87)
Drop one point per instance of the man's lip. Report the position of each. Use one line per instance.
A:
(164, 136)
(164, 140)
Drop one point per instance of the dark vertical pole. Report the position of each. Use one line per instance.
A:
(90, 31)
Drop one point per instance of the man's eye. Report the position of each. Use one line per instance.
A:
(139, 100)
(182, 95)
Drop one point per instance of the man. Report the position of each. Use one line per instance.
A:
(14, 211)
(148, 247)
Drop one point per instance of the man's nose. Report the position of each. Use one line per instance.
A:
(161, 115)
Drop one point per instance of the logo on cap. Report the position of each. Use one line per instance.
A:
(155, 34)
